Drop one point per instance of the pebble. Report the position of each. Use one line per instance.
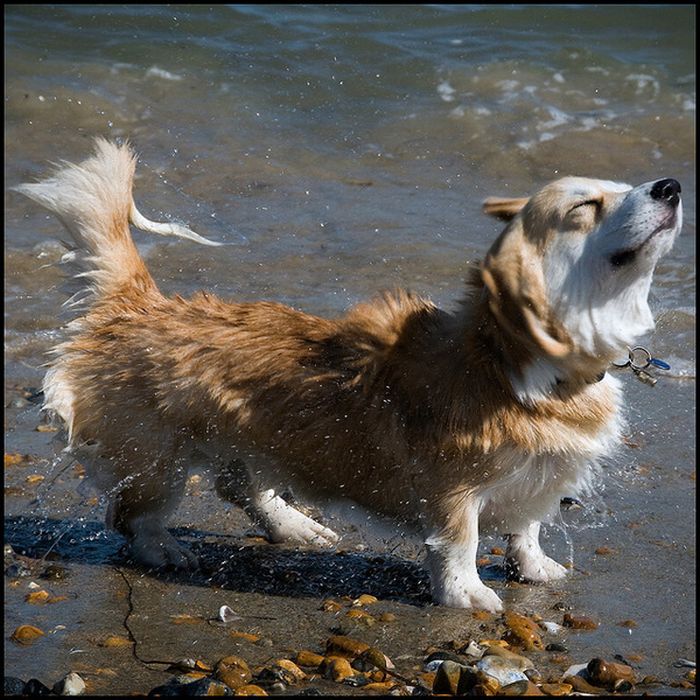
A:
(487, 685)
(365, 599)
(473, 650)
(501, 669)
(340, 645)
(233, 671)
(337, 668)
(14, 458)
(533, 674)
(452, 677)
(227, 615)
(611, 675)
(26, 634)
(605, 551)
(577, 670)
(71, 684)
(581, 685)
(522, 632)
(36, 687)
(579, 623)
(308, 658)
(493, 643)
(237, 634)
(383, 688)
(185, 619)
(522, 663)
(331, 606)
(372, 659)
(53, 572)
(115, 640)
(361, 616)
(556, 688)
(37, 597)
(287, 671)
(250, 690)
(520, 688)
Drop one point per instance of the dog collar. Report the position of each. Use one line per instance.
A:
(595, 380)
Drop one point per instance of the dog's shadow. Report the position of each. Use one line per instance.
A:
(231, 563)
(235, 565)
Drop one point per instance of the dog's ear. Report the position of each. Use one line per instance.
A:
(517, 297)
(504, 208)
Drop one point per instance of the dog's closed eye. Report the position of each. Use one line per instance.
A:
(583, 213)
(588, 203)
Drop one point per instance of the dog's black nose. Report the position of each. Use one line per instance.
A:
(667, 190)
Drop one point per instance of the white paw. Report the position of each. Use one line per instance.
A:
(477, 596)
(286, 524)
(159, 549)
(538, 569)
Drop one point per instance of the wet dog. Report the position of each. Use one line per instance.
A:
(442, 422)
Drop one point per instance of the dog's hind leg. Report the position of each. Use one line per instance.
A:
(525, 560)
(140, 509)
(281, 521)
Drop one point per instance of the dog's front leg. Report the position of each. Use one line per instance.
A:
(525, 559)
(452, 564)
(281, 522)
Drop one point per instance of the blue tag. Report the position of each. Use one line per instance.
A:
(659, 363)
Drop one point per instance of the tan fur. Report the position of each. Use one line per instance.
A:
(397, 405)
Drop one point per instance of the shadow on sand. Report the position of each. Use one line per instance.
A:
(230, 563)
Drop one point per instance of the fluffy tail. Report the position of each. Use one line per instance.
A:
(94, 202)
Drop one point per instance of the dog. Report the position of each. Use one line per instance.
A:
(443, 422)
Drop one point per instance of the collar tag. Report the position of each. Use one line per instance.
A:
(639, 359)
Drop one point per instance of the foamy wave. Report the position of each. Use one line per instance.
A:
(446, 91)
(155, 72)
(558, 118)
(643, 81)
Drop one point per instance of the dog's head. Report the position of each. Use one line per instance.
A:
(568, 279)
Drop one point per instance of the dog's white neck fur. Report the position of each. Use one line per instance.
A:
(597, 332)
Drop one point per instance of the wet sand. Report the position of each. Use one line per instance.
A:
(279, 592)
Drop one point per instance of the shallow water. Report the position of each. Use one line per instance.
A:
(342, 150)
